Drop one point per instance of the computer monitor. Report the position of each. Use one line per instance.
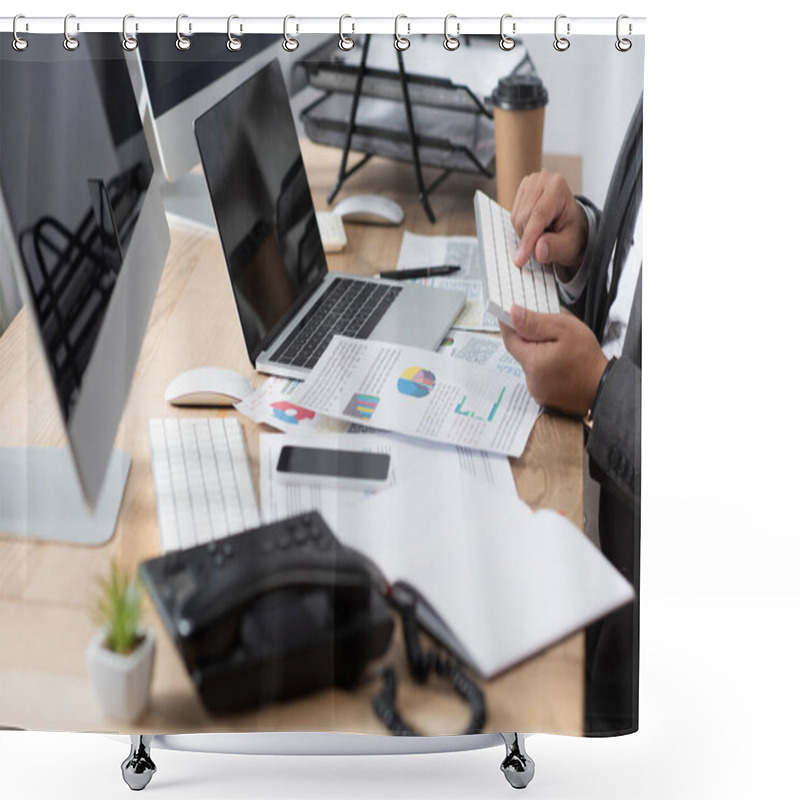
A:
(87, 237)
(180, 85)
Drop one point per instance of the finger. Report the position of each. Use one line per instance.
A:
(521, 191)
(524, 192)
(533, 326)
(529, 190)
(543, 213)
(556, 247)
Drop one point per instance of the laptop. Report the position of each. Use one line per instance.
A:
(289, 304)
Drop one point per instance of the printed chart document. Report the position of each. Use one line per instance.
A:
(507, 581)
(480, 348)
(411, 458)
(419, 393)
(273, 404)
(431, 251)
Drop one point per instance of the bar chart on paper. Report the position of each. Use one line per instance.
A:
(463, 409)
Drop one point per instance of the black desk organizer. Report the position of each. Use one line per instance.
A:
(405, 116)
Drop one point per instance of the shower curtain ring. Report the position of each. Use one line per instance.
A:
(290, 44)
(345, 42)
(233, 44)
(451, 43)
(401, 43)
(623, 45)
(561, 43)
(70, 42)
(129, 43)
(181, 42)
(19, 44)
(506, 42)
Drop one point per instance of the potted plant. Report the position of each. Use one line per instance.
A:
(121, 654)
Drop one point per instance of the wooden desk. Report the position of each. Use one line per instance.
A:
(47, 590)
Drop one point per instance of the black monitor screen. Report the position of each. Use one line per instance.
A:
(262, 203)
(74, 170)
(173, 75)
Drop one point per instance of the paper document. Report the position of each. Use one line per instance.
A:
(420, 393)
(508, 581)
(273, 404)
(410, 459)
(480, 348)
(432, 251)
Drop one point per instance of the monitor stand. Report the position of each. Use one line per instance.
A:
(187, 201)
(40, 497)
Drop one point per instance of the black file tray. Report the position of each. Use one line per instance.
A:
(391, 109)
(447, 140)
(384, 83)
(464, 80)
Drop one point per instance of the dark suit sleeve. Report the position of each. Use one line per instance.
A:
(577, 305)
(614, 443)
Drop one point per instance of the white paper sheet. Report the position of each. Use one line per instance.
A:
(418, 393)
(432, 251)
(410, 459)
(507, 581)
(273, 404)
(480, 348)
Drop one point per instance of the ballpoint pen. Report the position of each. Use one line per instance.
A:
(419, 272)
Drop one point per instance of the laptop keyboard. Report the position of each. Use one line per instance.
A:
(349, 308)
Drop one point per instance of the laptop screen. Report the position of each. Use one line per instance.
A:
(262, 204)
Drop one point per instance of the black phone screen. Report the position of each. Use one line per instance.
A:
(334, 463)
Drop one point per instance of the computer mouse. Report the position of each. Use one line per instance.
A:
(369, 208)
(207, 386)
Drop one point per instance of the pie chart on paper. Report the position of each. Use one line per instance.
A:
(416, 382)
(289, 412)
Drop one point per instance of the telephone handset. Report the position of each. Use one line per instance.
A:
(271, 613)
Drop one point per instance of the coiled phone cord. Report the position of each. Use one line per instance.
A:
(421, 662)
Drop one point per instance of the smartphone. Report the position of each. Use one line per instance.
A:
(346, 469)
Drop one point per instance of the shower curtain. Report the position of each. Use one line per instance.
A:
(503, 589)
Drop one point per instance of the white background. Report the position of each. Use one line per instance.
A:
(720, 552)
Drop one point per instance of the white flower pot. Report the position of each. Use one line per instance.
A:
(122, 682)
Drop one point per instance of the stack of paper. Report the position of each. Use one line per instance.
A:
(508, 581)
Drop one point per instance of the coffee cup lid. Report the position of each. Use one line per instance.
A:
(520, 93)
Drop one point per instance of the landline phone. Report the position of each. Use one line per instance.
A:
(273, 613)
(284, 610)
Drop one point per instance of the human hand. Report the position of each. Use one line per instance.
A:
(550, 223)
(561, 358)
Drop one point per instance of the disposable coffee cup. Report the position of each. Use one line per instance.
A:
(519, 102)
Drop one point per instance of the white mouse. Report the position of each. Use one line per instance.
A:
(207, 386)
(370, 208)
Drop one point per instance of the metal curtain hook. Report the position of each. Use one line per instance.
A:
(233, 44)
(181, 42)
(19, 44)
(345, 42)
(561, 43)
(70, 42)
(400, 42)
(623, 45)
(289, 44)
(130, 43)
(506, 42)
(451, 43)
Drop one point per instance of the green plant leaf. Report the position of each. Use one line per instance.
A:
(119, 610)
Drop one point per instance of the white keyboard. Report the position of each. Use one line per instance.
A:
(204, 489)
(331, 231)
(505, 284)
